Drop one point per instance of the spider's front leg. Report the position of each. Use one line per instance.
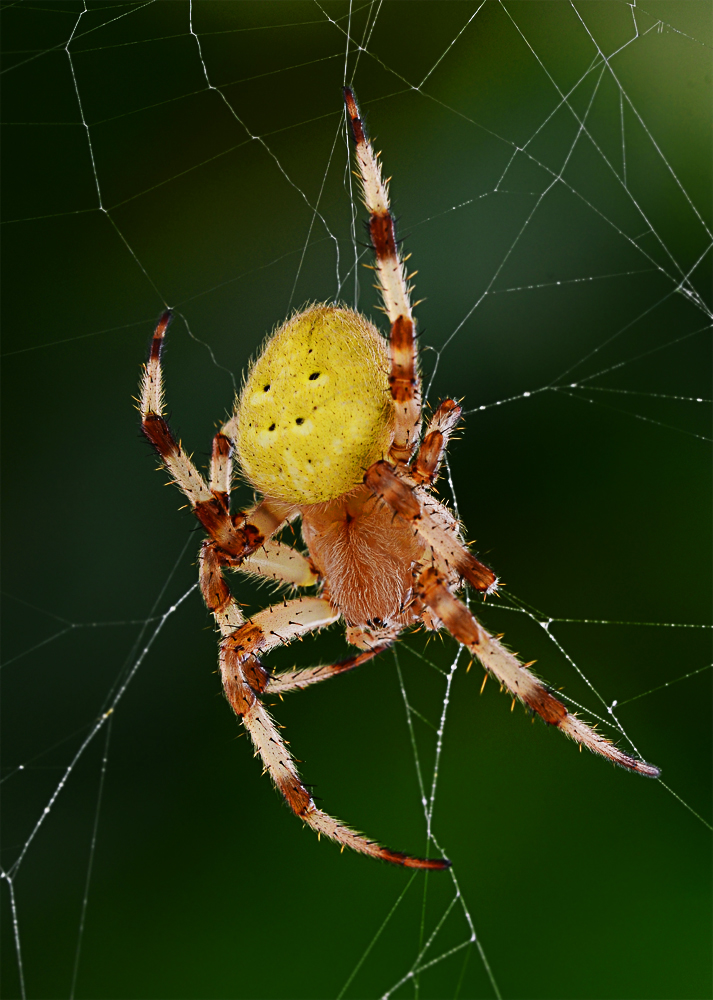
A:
(237, 537)
(393, 283)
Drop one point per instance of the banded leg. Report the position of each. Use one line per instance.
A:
(279, 624)
(221, 468)
(425, 466)
(515, 676)
(404, 380)
(237, 537)
(245, 680)
(216, 593)
(432, 522)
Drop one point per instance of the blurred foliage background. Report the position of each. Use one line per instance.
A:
(557, 208)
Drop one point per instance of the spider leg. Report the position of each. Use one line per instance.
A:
(273, 559)
(221, 468)
(404, 379)
(279, 624)
(425, 466)
(236, 536)
(216, 593)
(245, 680)
(515, 676)
(426, 515)
(296, 680)
(280, 562)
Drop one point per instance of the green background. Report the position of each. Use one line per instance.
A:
(582, 880)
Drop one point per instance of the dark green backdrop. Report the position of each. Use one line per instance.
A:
(582, 880)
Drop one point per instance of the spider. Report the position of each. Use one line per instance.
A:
(327, 429)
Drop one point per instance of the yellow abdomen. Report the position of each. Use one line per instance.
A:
(316, 410)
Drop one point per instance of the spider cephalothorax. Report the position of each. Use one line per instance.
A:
(328, 430)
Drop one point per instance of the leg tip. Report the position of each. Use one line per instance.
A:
(408, 861)
(163, 323)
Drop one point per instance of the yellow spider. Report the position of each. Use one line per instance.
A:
(328, 429)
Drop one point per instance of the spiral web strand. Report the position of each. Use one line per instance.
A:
(446, 921)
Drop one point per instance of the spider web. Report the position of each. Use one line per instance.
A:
(551, 172)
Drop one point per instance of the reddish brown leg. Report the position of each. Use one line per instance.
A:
(221, 469)
(393, 284)
(515, 676)
(405, 385)
(296, 680)
(234, 535)
(245, 680)
(424, 468)
(402, 495)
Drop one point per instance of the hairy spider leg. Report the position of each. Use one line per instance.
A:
(278, 624)
(221, 468)
(235, 536)
(425, 466)
(404, 380)
(245, 680)
(296, 680)
(273, 559)
(433, 591)
(515, 676)
(425, 514)
(280, 562)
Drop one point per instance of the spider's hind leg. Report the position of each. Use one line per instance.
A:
(515, 676)
(245, 680)
(297, 680)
